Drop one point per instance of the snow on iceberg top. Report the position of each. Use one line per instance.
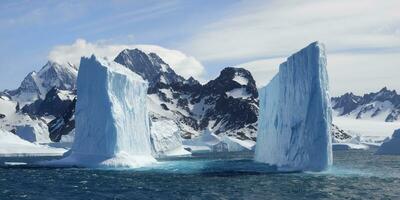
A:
(114, 67)
(311, 50)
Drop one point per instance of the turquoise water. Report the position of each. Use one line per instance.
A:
(355, 175)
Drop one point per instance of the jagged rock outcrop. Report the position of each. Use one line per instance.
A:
(227, 105)
(56, 103)
(36, 84)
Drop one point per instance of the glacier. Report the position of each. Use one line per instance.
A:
(295, 114)
(112, 123)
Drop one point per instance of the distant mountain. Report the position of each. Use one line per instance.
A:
(383, 105)
(54, 104)
(36, 84)
(150, 66)
(227, 105)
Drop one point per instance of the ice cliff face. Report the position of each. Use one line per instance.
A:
(295, 114)
(166, 138)
(112, 127)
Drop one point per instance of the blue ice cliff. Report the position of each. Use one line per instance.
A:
(295, 114)
(112, 123)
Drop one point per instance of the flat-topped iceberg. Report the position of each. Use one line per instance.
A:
(295, 114)
(112, 123)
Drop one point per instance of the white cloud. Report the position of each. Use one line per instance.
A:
(263, 70)
(362, 39)
(182, 64)
(277, 28)
(363, 73)
(358, 73)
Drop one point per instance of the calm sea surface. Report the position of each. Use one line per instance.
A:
(355, 175)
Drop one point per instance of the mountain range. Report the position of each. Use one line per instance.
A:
(227, 105)
(383, 105)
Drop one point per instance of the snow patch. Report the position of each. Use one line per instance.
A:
(12, 145)
(238, 93)
(240, 79)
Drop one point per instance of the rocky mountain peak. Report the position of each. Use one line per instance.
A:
(384, 102)
(233, 78)
(36, 84)
(150, 66)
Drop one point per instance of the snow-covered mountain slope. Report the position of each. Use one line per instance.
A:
(41, 97)
(150, 66)
(55, 103)
(29, 128)
(380, 106)
(295, 114)
(12, 145)
(36, 84)
(226, 105)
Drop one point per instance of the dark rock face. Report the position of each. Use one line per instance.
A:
(369, 105)
(150, 66)
(339, 134)
(194, 106)
(348, 102)
(234, 112)
(63, 124)
(56, 103)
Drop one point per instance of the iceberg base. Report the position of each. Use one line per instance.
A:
(121, 160)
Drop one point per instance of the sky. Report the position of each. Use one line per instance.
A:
(201, 37)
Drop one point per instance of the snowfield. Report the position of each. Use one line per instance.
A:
(12, 145)
(367, 128)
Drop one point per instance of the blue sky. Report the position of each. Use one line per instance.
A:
(362, 36)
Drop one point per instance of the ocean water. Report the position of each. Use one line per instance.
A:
(355, 175)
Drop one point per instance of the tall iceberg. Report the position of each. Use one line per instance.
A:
(295, 114)
(112, 123)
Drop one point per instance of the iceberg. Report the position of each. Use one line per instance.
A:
(208, 142)
(392, 146)
(112, 124)
(166, 138)
(295, 114)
